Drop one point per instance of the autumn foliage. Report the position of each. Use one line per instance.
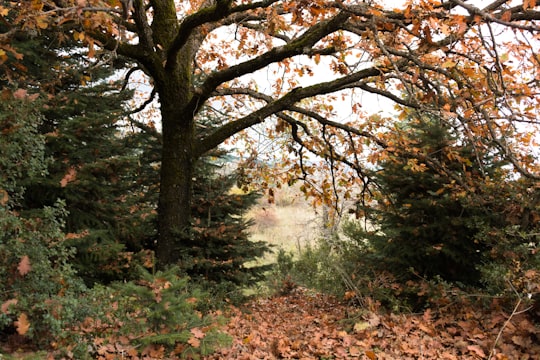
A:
(326, 93)
(474, 67)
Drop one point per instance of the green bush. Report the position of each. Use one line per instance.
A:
(156, 316)
(38, 284)
(316, 267)
(39, 290)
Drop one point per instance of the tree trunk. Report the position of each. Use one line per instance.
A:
(174, 209)
(173, 82)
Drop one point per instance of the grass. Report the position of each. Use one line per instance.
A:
(290, 223)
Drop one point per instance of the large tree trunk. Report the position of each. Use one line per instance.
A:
(173, 82)
(174, 211)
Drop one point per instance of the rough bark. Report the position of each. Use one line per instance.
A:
(175, 187)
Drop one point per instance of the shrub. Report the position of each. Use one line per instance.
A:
(39, 287)
(156, 317)
(317, 267)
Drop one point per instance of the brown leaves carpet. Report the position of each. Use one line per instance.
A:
(306, 325)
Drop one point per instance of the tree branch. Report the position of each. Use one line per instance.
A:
(302, 45)
(517, 14)
(205, 15)
(277, 105)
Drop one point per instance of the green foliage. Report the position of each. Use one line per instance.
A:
(38, 285)
(21, 147)
(220, 248)
(95, 167)
(158, 314)
(95, 172)
(512, 265)
(45, 287)
(317, 267)
(423, 225)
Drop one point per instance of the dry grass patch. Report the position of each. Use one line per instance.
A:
(289, 223)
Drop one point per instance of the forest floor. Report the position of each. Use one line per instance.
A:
(303, 324)
(307, 325)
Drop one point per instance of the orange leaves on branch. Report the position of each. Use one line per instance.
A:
(506, 16)
(529, 4)
(78, 36)
(41, 22)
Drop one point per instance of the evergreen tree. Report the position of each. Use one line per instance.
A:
(423, 224)
(95, 170)
(221, 247)
(94, 166)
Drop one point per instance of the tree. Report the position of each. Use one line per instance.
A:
(444, 55)
(421, 222)
(221, 247)
(94, 162)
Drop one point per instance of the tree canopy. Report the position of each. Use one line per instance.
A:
(474, 66)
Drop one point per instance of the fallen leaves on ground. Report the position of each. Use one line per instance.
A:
(306, 325)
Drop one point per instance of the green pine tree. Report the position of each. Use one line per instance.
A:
(424, 228)
(94, 166)
(221, 247)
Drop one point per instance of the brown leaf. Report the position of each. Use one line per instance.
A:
(477, 350)
(4, 197)
(154, 351)
(506, 16)
(425, 329)
(198, 333)
(24, 265)
(20, 94)
(529, 4)
(6, 304)
(70, 176)
(520, 341)
(371, 355)
(354, 351)
(374, 320)
(22, 324)
(193, 341)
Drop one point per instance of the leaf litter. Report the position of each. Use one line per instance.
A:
(308, 325)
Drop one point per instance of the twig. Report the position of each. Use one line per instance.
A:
(514, 312)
